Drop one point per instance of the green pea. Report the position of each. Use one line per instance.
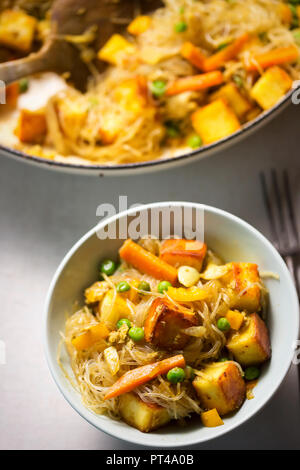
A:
(145, 286)
(296, 34)
(136, 334)
(163, 286)
(23, 85)
(238, 80)
(176, 375)
(252, 373)
(195, 141)
(108, 267)
(222, 46)
(189, 373)
(123, 321)
(263, 36)
(123, 287)
(223, 324)
(158, 88)
(172, 129)
(93, 101)
(223, 359)
(295, 21)
(181, 27)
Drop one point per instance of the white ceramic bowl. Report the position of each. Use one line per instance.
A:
(234, 240)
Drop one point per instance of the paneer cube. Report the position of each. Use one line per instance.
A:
(183, 253)
(235, 99)
(132, 94)
(244, 279)
(111, 127)
(32, 126)
(221, 387)
(164, 324)
(17, 30)
(116, 49)
(251, 345)
(72, 117)
(139, 25)
(271, 87)
(131, 97)
(143, 416)
(215, 121)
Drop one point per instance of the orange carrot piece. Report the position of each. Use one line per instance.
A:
(147, 263)
(193, 54)
(139, 376)
(195, 83)
(278, 56)
(218, 59)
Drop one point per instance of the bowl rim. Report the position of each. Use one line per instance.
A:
(157, 164)
(93, 419)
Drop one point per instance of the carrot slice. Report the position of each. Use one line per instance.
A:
(218, 59)
(147, 263)
(195, 83)
(277, 56)
(139, 376)
(193, 54)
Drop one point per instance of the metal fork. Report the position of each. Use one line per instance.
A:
(283, 223)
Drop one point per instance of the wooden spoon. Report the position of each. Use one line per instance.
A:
(75, 17)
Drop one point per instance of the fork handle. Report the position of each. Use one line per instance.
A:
(292, 268)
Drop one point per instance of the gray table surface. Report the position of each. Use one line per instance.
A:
(43, 213)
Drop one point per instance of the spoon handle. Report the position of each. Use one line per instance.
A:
(34, 63)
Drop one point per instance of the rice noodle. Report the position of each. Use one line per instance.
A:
(142, 136)
(204, 346)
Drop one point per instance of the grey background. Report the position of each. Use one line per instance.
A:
(43, 213)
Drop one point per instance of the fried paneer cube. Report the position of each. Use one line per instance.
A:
(235, 99)
(17, 30)
(251, 345)
(72, 116)
(215, 121)
(116, 48)
(221, 387)
(244, 279)
(183, 253)
(143, 416)
(164, 324)
(271, 87)
(32, 126)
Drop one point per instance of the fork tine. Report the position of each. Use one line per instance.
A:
(284, 239)
(267, 202)
(290, 207)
